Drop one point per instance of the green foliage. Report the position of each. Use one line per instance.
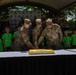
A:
(71, 24)
(70, 14)
(4, 14)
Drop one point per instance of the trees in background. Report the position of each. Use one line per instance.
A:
(4, 14)
(70, 15)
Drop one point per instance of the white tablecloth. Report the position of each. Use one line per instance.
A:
(26, 54)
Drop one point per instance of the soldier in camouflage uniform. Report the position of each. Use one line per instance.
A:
(22, 41)
(52, 33)
(37, 32)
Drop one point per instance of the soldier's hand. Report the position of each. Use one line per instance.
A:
(60, 40)
(37, 47)
(33, 47)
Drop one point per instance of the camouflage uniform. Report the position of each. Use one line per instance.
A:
(54, 35)
(22, 41)
(36, 34)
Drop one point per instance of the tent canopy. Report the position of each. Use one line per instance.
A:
(55, 4)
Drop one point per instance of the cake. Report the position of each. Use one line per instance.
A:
(41, 51)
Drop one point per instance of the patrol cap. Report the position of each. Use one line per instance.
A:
(38, 21)
(27, 21)
(49, 21)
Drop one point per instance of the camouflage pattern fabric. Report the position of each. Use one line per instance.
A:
(22, 41)
(36, 34)
(53, 35)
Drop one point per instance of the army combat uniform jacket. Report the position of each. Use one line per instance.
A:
(54, 36)
(36, 34)
(22, 41)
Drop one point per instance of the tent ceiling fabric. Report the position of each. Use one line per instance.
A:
(56, 4)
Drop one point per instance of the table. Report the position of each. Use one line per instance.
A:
(63, 62)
